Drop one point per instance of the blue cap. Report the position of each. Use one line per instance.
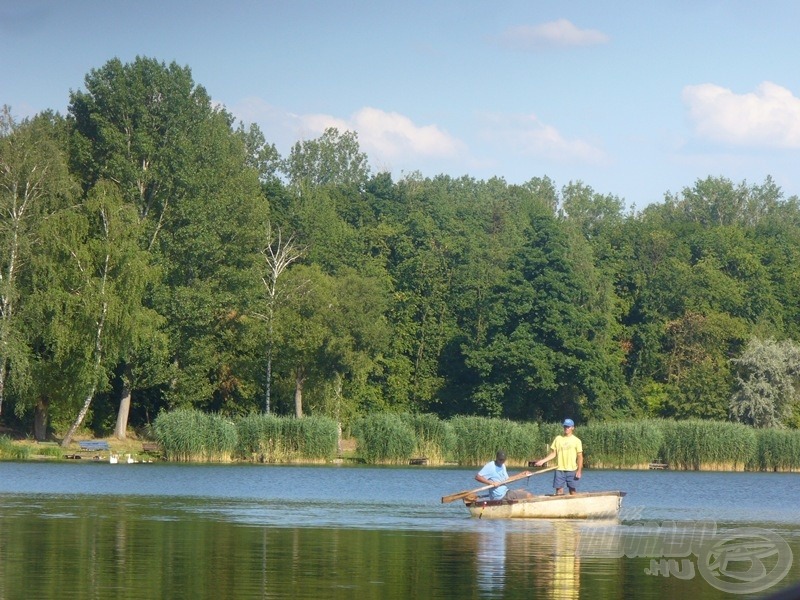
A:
(569, 423)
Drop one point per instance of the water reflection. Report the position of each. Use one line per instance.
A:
(490, 561)
(567, 569)
(364, 533)
(541, 556)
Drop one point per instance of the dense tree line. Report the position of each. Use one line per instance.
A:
(156, 254)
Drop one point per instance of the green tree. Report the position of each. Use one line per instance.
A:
(768, 373)
(333, 158)
(542, 359)
(148, 127)
(34, 182)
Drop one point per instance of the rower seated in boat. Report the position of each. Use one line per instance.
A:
(494, 473)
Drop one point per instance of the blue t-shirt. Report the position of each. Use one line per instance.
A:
(494, 473)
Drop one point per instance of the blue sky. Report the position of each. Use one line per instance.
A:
(634, 98)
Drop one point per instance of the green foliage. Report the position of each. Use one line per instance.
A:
(188, 435)
(334, 158)
(439, 295)
(384, 438)
(769, 373)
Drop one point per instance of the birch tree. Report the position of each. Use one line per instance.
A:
(278, 255)
(101, 274)
(33, 181)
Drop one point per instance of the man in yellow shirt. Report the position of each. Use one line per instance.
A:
(568, 451)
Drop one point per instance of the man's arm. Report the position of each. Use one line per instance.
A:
(539, 463)
(486, 481)
(580, 466)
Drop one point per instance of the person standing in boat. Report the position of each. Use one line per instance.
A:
(567, 449)
(494, 473)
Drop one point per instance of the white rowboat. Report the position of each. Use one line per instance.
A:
(589, 505)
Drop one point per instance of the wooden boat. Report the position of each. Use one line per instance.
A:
(589, 505)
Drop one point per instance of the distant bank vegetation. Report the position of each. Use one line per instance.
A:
(189, 435)
(694, 444)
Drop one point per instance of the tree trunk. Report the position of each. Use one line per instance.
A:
(298, 393)
(40, 420)
(81, 416)
(121, 428)
(98, 358)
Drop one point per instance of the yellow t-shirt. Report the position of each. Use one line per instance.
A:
(567, 448)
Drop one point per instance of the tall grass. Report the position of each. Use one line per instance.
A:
(269, 438)
(11, 451)
(621, 444)
(777, 450)
(384, 438)
(478, 438)
(435, 439)
(708, 445)
(50, 451)
(188, 435)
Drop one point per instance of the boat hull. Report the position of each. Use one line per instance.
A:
(590, 505)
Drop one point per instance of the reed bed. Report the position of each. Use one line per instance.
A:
(272, 439)
(11, 451)
(188, 435)
(435, 439)
(621, 444)
(708, 445)
(389, 438)
(385, 438)
(477, 439)
(777, 450)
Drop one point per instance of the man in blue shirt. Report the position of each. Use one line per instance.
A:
(494, 473)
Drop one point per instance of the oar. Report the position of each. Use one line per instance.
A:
(517, 477)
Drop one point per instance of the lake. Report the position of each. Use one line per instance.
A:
(87, 529)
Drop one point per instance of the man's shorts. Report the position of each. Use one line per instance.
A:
(562, 478)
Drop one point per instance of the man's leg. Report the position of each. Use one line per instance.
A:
(571, 483)
(559, 481)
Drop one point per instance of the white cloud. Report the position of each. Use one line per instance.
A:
(527, 135)
(386, 137)
(393, 135)
(389, 135)
(769, 116)
(555, 34)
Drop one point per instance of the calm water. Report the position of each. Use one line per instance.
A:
(94, 530)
